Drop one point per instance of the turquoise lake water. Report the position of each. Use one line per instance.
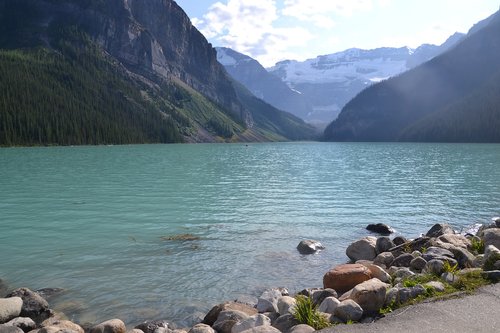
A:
(90, 219)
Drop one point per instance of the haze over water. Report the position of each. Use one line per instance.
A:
(90, 219)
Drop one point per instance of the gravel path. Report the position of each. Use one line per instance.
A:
(474, 313)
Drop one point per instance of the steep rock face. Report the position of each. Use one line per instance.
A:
(150, 37)
(262, 84)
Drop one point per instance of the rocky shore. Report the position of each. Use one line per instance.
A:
(383, 274)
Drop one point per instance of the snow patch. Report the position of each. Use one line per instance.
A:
(224, 59)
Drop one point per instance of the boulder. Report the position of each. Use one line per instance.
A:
(348, 310)
(370, 295)
(380, 228)
(362, 249)
(329, 305)
(456, 240)
(309, 246)
(439, 229)
(378, 272)
(449, 277)
(10, 308)
(345, 277)
(152, 326)
(497, 221)
(391, 296)
(493, 276)
(436, 252)
(478, 261)
(491, 256)
(418, 264)
(212, 315)
(435, 267)
(436, 285)
(301, 328)
(60, 326)
(268, 301)
(251, 322)
(384, 244)
(24, 323)
(384, 259)
(401, 272)
(492, 237)
(201, 328)
(463, 256)
(417, 291)
(399, 240)
(285, 322)
(110, 326)
(319, 295)
(227, 319)
(34, 305)
(262, 329)
(403, 260)
(286, 304)
(9, 329)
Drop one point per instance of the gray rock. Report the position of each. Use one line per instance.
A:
(497, 221)
(251, 322)
(435, 252)
(418, 264)
(369, 295)
(286, 304)
(319, 295)
(399, 240)
(329, 305)
(384, 259)
(10, 308)
(248, 300)
(60, 326)
(136, 330)
(309, 246)
(403, 260)
(440, 229)
(402, 272)
(435, 267)
(384, 244)
(493, 276)
(404, 295)
(301, 328)
(24, 323)
(34, 305)
(378, 273)
(362, 249)
(227, 319)
(492, 237)
(449, 277)
(272, 315)
(152, 326)
(349, 310)
(380, 228)
(478, 261)
(110, 326)
(268, 301)
(455, 240)
(417, 291)
(201, 328)
(491, 256)
(9, 329)
(463, 256)
(436, 285)
(262, 329)
(285, 322)
(212, 315)
(391, 296)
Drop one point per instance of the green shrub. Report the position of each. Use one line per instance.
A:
(448, 268)
(306, 312)
(477, 245)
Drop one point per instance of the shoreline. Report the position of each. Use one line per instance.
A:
(380, 268)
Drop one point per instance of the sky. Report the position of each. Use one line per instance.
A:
(275, 30)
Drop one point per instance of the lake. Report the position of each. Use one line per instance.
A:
(94, 220)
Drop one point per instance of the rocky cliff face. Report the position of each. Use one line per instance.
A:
(154, 38)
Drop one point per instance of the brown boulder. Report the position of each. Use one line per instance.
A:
(345, 277)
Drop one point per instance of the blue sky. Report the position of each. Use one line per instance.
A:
(275, 30)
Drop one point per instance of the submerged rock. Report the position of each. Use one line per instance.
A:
(380, 228)
(181, 237)
(309, 246)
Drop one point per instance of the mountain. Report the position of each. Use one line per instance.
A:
(328, 82)
(118, 71)
(251, 74)
(452, 98)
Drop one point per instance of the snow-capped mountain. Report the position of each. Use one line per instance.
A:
(250, 73)
(328, 82)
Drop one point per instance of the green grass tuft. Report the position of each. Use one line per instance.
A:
(306, 312)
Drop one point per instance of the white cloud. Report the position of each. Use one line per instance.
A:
(322, 13)
(247, 26)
